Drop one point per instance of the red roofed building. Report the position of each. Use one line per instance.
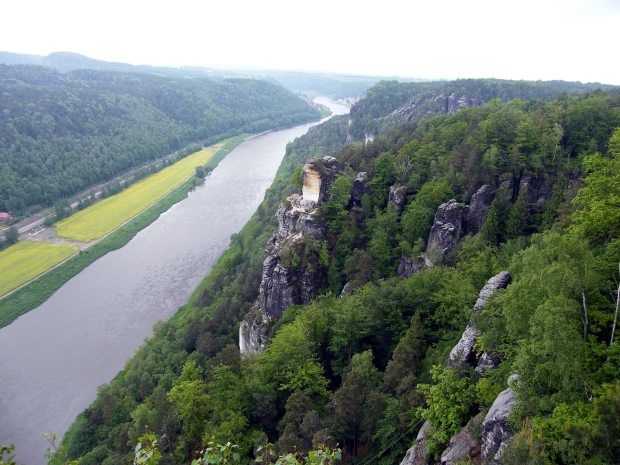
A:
(4, 217)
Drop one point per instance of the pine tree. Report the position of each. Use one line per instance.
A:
(490, 229)
(517, 221)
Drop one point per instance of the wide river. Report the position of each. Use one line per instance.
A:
(53, 358)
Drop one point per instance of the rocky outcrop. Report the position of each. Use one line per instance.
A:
(416, 455)
(463, 352)
(359, 190)
(297, 216)
(455, 103)
(318, 174)
(487, 362)
(476, 212)
(405, 114)
(254, 331)
(408, 267)
(446, 229)
(398, 197)
(495, 429)
(463, 444)
(282, 283)
(346, 290)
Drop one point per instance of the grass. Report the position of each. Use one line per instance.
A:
(38, 291)
(26, 260)
(108, 214)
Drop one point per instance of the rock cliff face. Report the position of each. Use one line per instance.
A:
(446, 229)
(416, 454)
(454, 103)
(462, 445)
(495, 429)
(476, 212)
(282, 283)
(463, 352)
(398, 197)
(408, 267)
(359, 190)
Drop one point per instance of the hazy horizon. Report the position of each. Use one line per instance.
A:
(570, 40)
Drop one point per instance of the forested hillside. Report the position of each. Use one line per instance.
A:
(61, 133)
(390, 103)
(534, 188)
(333, 85)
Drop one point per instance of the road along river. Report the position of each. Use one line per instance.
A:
(53, 358)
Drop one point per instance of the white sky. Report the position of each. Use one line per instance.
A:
(525, 39)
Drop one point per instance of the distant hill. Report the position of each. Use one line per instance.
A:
(60, 133)
(336, 86)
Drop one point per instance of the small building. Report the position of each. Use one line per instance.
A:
(5, 217)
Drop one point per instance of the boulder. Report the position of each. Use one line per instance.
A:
(495, 429)
(463, 351)
(416, 455)
(478, 208)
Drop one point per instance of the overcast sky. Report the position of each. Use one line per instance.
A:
(525, 39)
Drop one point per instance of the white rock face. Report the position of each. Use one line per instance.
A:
(312, 185)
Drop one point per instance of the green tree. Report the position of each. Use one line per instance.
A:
(599, 215)
(449, 402)
(193, 403)
(297, 180)
(490, 229)
(557, 198)
(11, 236)
(517, 221)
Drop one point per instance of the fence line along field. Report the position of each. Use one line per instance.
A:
(26, 260)
(108, 214)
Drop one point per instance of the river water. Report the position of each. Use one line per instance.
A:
(53, 358)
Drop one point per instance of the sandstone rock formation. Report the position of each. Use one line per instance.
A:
(495, 429)
(446, 229)
(463, 351)
(462, 445)
(318, 175)
(476, 212)
(417, 453)
(359, 189)
(398, 197)
(281, 285)
(408, 267)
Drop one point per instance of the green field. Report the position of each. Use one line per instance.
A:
(38, 291)
(108, 214)
(26, 260)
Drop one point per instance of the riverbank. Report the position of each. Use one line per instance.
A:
(34, 292)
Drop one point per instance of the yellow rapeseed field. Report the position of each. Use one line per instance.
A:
(108, 214)
(26, 260)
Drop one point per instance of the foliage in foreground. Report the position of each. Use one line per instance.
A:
(365, 368)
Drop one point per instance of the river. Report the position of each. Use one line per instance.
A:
(53, 358)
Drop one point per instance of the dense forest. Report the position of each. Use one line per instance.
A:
(390, 103)
(366, 368)
(61, 133)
